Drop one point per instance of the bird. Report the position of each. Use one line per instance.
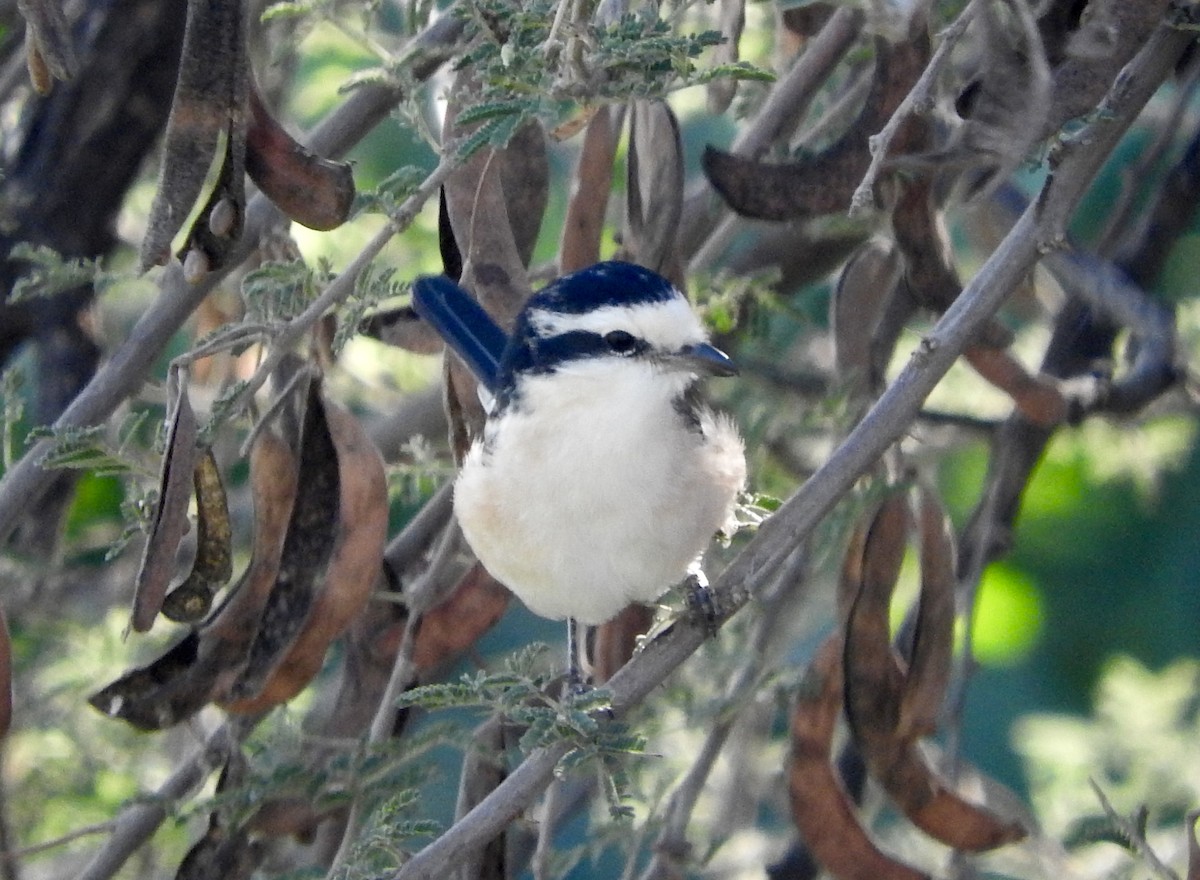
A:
(600, 475)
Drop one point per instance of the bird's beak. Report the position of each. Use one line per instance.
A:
(707, 359)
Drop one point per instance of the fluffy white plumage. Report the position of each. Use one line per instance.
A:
(606, 483)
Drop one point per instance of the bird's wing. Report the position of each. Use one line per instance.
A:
(463, 324)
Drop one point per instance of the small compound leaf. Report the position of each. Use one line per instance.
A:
(821, 809)
(170, 515)
(306, 551)
(313, 191)
(192, 599)
(354, 564)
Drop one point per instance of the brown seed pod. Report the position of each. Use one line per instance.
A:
(821, 809)
(353, 568)
(875, 690)
(170, 515)
(213, 565)
(206, 662)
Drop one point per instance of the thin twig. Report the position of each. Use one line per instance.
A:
(34, 849)
(139, 819)
(1038, 228)
(421, 596)
(864, 194)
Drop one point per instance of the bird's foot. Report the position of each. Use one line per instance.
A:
(702, 602)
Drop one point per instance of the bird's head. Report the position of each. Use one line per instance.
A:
(607, 314)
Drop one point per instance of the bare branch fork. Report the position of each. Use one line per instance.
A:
(1039, 229)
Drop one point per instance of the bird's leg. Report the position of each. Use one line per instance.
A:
(700, 600)
(576, 680)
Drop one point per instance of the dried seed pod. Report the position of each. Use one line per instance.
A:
(825, 183)
(584, 225)
(353, 567)
(205, 662)
(874, 692)
(655, 189)
(209, 101)
(170, 515)
(313, 191)
(933, 644)
(213, 565)
(310, 539)
(821, 809)
(453, 625)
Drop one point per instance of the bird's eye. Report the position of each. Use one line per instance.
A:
(620, 341)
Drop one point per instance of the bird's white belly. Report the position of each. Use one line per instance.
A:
(591, 507)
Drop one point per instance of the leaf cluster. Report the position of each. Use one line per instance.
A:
(519, 694)
(48, 273)
(279, 291)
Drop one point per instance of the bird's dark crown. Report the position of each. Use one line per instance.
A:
(612, 283)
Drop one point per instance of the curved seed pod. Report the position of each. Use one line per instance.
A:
(654, 182)
(306, 552)
(205, 662)
(584, 223)
(933, 644)
(313, 191)
(856, 307)
(354, 563)
(209, 101)
(823, 184)
(720, 91)
(875, 685)
(170, 516)
(226, 849)
(192, 599)
(821, 809)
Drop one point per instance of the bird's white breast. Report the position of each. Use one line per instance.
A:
(594, 492)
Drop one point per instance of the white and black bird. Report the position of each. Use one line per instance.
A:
(601, 476)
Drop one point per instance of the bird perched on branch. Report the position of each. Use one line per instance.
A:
(600, 476)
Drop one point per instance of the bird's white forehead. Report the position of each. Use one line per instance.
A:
(668, 325)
